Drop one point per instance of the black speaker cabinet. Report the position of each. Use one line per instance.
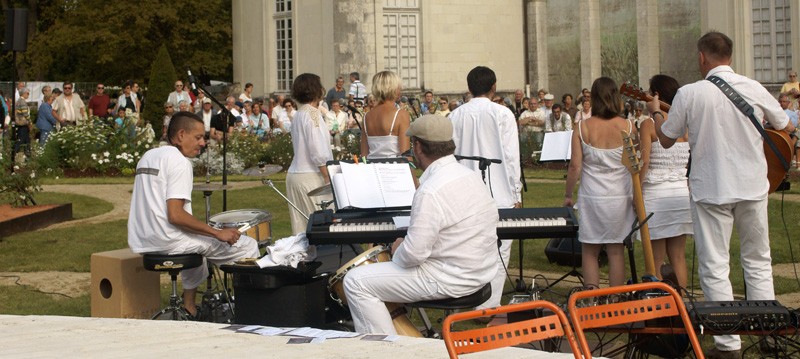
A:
(16, 36)
(560, 251)
(278, 296)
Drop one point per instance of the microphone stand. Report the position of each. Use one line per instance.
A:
(227, 116)
(483, 163)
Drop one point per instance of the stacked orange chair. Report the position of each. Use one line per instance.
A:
(505, 335)
(629, 311)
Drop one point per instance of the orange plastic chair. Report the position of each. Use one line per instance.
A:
(500, 336)
(629, 311)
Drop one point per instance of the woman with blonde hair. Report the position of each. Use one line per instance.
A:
(606, 191)
(385, 125)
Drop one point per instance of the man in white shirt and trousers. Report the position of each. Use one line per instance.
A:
(485, 129)
(728, 177)
(443, 254)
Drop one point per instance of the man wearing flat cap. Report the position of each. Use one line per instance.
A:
(443, 255)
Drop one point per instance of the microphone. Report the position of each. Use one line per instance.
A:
(479, 159)
(192, 81)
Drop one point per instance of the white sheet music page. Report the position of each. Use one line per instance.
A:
(363, 188)
(557, 146)
(340, 189)
(397, 184)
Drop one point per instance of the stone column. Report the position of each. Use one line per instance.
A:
(354, 34)
(647, 40)
(735, 19)
(537, 45)
(590, 42)
(795, 16)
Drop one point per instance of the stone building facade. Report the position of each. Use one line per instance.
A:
(561, 45)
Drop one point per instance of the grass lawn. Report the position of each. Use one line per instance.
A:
(69, 249)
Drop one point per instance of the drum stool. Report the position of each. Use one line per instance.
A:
(173, 264)
(450, 305)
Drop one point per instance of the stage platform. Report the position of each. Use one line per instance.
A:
(76, 337)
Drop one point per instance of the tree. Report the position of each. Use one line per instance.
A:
(162, 76)
(115, 41)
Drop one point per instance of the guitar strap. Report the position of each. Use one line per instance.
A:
(747, 110)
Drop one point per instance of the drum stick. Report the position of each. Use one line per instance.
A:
(244, 228)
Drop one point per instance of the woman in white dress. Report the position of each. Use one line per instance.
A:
(664, 185)
(311, 142)
(605, 195)
(385, 125)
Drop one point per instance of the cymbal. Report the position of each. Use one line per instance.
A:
(321, 191)
(262, 171)
(210, 187)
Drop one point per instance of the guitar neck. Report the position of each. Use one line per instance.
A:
(661, 104)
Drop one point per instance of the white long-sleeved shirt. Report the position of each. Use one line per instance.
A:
(452, 236)
(311, 141)
(486, 129)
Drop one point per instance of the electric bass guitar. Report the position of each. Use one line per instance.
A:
(776, 173)
(631, 161)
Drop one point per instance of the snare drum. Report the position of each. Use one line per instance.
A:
(374, 255)
(258, 220)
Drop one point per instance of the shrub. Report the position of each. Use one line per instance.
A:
(247, 148)
(162, 78)
(211, 159)
(279, 151)
(18, 181)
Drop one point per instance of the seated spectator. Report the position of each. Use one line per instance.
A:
(444, 108)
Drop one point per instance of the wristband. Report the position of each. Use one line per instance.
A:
(657, 113)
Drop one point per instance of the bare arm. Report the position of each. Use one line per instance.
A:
(403, 142)
(574, 171)
(363, 144)
(659, 118)
(179, 217)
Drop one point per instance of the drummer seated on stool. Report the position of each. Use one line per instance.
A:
(161, 220)
(447, 250)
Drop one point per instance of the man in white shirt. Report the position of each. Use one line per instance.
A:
(68, 108)
(548, 104)
(175, 97)
(489, 130)
(728, 177)
(444, 253)
(558, 120)
(357, 91)
(337, 122)
(160, 219)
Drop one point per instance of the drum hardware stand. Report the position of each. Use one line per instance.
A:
(270, 184)
(323, 205)
(628, 242)
(572, 273)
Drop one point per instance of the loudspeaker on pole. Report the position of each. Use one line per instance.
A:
(16, 35)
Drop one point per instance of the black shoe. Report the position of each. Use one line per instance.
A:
(197, 317)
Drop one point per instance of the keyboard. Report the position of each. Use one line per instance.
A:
(327, 227)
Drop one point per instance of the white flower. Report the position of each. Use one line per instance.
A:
(106, 154)
(56, 177)
(94, 156)
(33, 174)
(16, 167)
(124, 145)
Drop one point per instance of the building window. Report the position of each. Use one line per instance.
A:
(284, 44)
(772, 45)
(400, 39)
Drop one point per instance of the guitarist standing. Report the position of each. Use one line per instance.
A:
(728, 175)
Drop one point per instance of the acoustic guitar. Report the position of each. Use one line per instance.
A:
(630, 159)
(776, 173)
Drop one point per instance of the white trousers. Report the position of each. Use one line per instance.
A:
(368, 287)
(297, 187)
(214, 251)
(713, 225)
(499, 281)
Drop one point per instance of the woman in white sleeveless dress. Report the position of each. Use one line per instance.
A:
(665, 188)
(605, 195)
(385, 125)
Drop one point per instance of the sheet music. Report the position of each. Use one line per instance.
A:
(557, 146)
(339, 188)
(377, 185)
(397, 184)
